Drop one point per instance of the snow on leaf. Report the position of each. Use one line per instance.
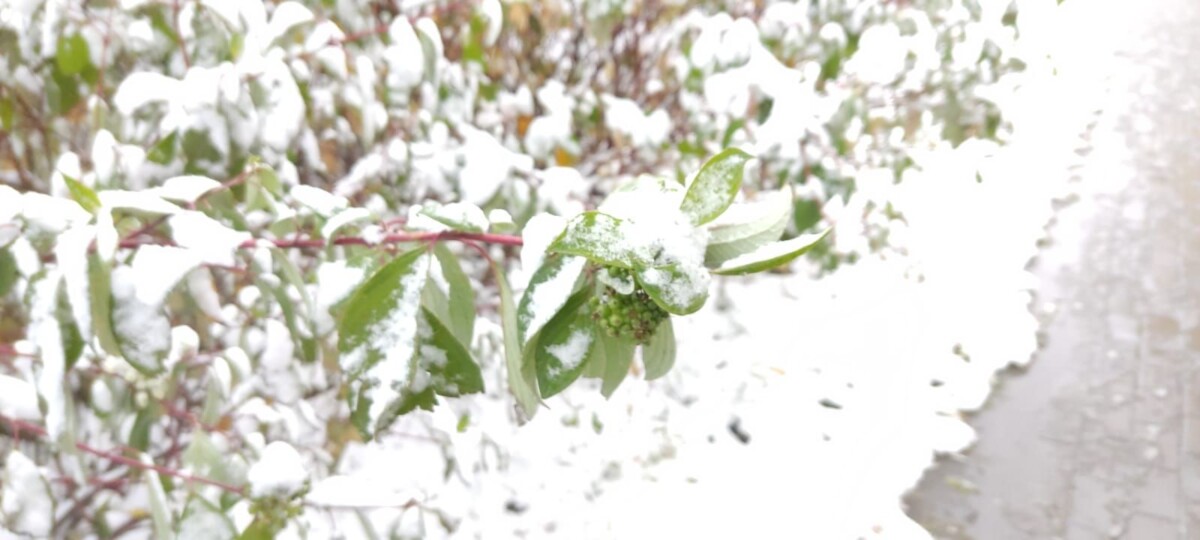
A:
(549, 288)
(378, 332)
(336, 280)
(138, 201)
(142, 330)
(771, 255)
(187, 188)
(157, 269)
(563, 346)
(213, 242)
(659, 354)
(279, 472)
(678, 289)
(747, 226)
(458, 216)
(343, 218)
(71, 253)
(142, 88)
(320, 201)
(539, 232)
(18, 399)
(286, 16)
(47, 332)
(25, 499)
(715, 186)
(600, 238)
(52, 215)
(443, 366)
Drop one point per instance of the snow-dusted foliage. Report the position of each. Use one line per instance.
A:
(247, 246)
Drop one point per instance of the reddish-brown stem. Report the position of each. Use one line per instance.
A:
(35, 429)
(397, 238)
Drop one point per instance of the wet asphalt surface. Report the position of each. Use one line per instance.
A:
(1100, 436)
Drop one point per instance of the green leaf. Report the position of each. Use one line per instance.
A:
(771, 255)
(163, 151)
(429, 50)
(659, 354)
(82, 194)
(139, 434)
(616, 353)
(443, 366)
(100, 301)
(753, 226)
(160, 509)
(72, 341)
(805, 214)
(6, 114)
(522, 381)
(8, 271)
(564, 345)
(291, 273)
(62, 91)
(458, 216)
(265, 176)
(715, 186)
(549, 288)
(674, 290)
(259, 529)
(461, 314)
(72, 55)
(597, 237)
(378, 329)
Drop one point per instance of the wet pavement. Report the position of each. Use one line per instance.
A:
(1100, 436)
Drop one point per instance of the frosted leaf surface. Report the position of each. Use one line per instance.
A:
(143, 331)
(548, 290)
(379, 328)
(571, 353)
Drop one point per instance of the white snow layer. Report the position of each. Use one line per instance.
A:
(279, 472)
(25, 499)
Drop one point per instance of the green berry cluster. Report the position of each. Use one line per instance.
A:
(626, 315)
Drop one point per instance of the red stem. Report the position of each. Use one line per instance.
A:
(125, 460)
(396, 238)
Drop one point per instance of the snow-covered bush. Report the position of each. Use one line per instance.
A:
(232, 230)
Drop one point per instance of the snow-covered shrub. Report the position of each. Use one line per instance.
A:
(238, 239)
